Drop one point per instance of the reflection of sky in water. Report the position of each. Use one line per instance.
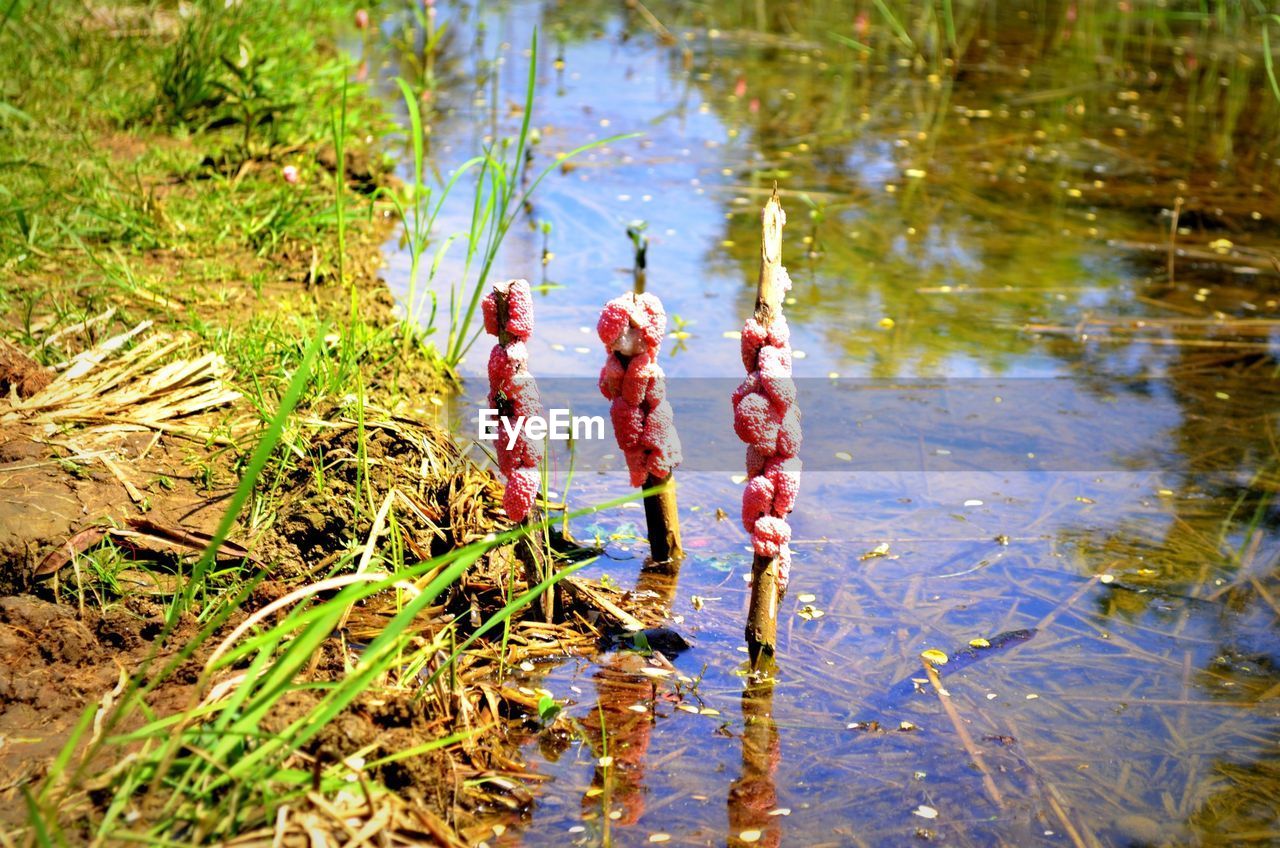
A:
(874, 164)
(674, 178)
(1110, 666)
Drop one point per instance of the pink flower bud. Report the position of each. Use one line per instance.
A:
(290, 174)
(362, 19)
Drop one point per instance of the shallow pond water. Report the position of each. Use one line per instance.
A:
(1034, 311)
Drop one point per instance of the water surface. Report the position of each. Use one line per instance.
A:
(1020, 411)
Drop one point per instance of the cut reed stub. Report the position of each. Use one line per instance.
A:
(767, 418)
(632, 328)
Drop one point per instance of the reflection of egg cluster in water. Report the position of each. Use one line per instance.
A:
(632, 327)
(514, 393)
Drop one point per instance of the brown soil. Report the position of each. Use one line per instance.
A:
(441, 500)
(20, 373)
(56, 485)
(56, 659)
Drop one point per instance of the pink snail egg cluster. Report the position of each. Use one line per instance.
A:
(632, 328)
(514, 393)
(767, 418)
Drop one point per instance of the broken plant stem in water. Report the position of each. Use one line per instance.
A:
(766, 417)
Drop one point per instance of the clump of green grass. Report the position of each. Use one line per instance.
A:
(234, 64)
(500, 196)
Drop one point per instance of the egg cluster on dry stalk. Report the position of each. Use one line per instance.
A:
(765, 414)
(508, 315)
(632, 328)
(766, 417)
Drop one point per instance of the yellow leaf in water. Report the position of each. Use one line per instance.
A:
(879, 550)
(934, 656)
(979, 643)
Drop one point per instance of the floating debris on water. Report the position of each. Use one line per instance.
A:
(879, 550)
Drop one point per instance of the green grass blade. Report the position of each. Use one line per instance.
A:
(849, 42)
(262, 453)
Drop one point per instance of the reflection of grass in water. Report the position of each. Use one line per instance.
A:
(1017, 140)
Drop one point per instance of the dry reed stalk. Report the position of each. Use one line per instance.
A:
(661, 512)
(111, 385)
(762, 614)
(526, 550)
(962, 733)
(661, 516)
(662, 520)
